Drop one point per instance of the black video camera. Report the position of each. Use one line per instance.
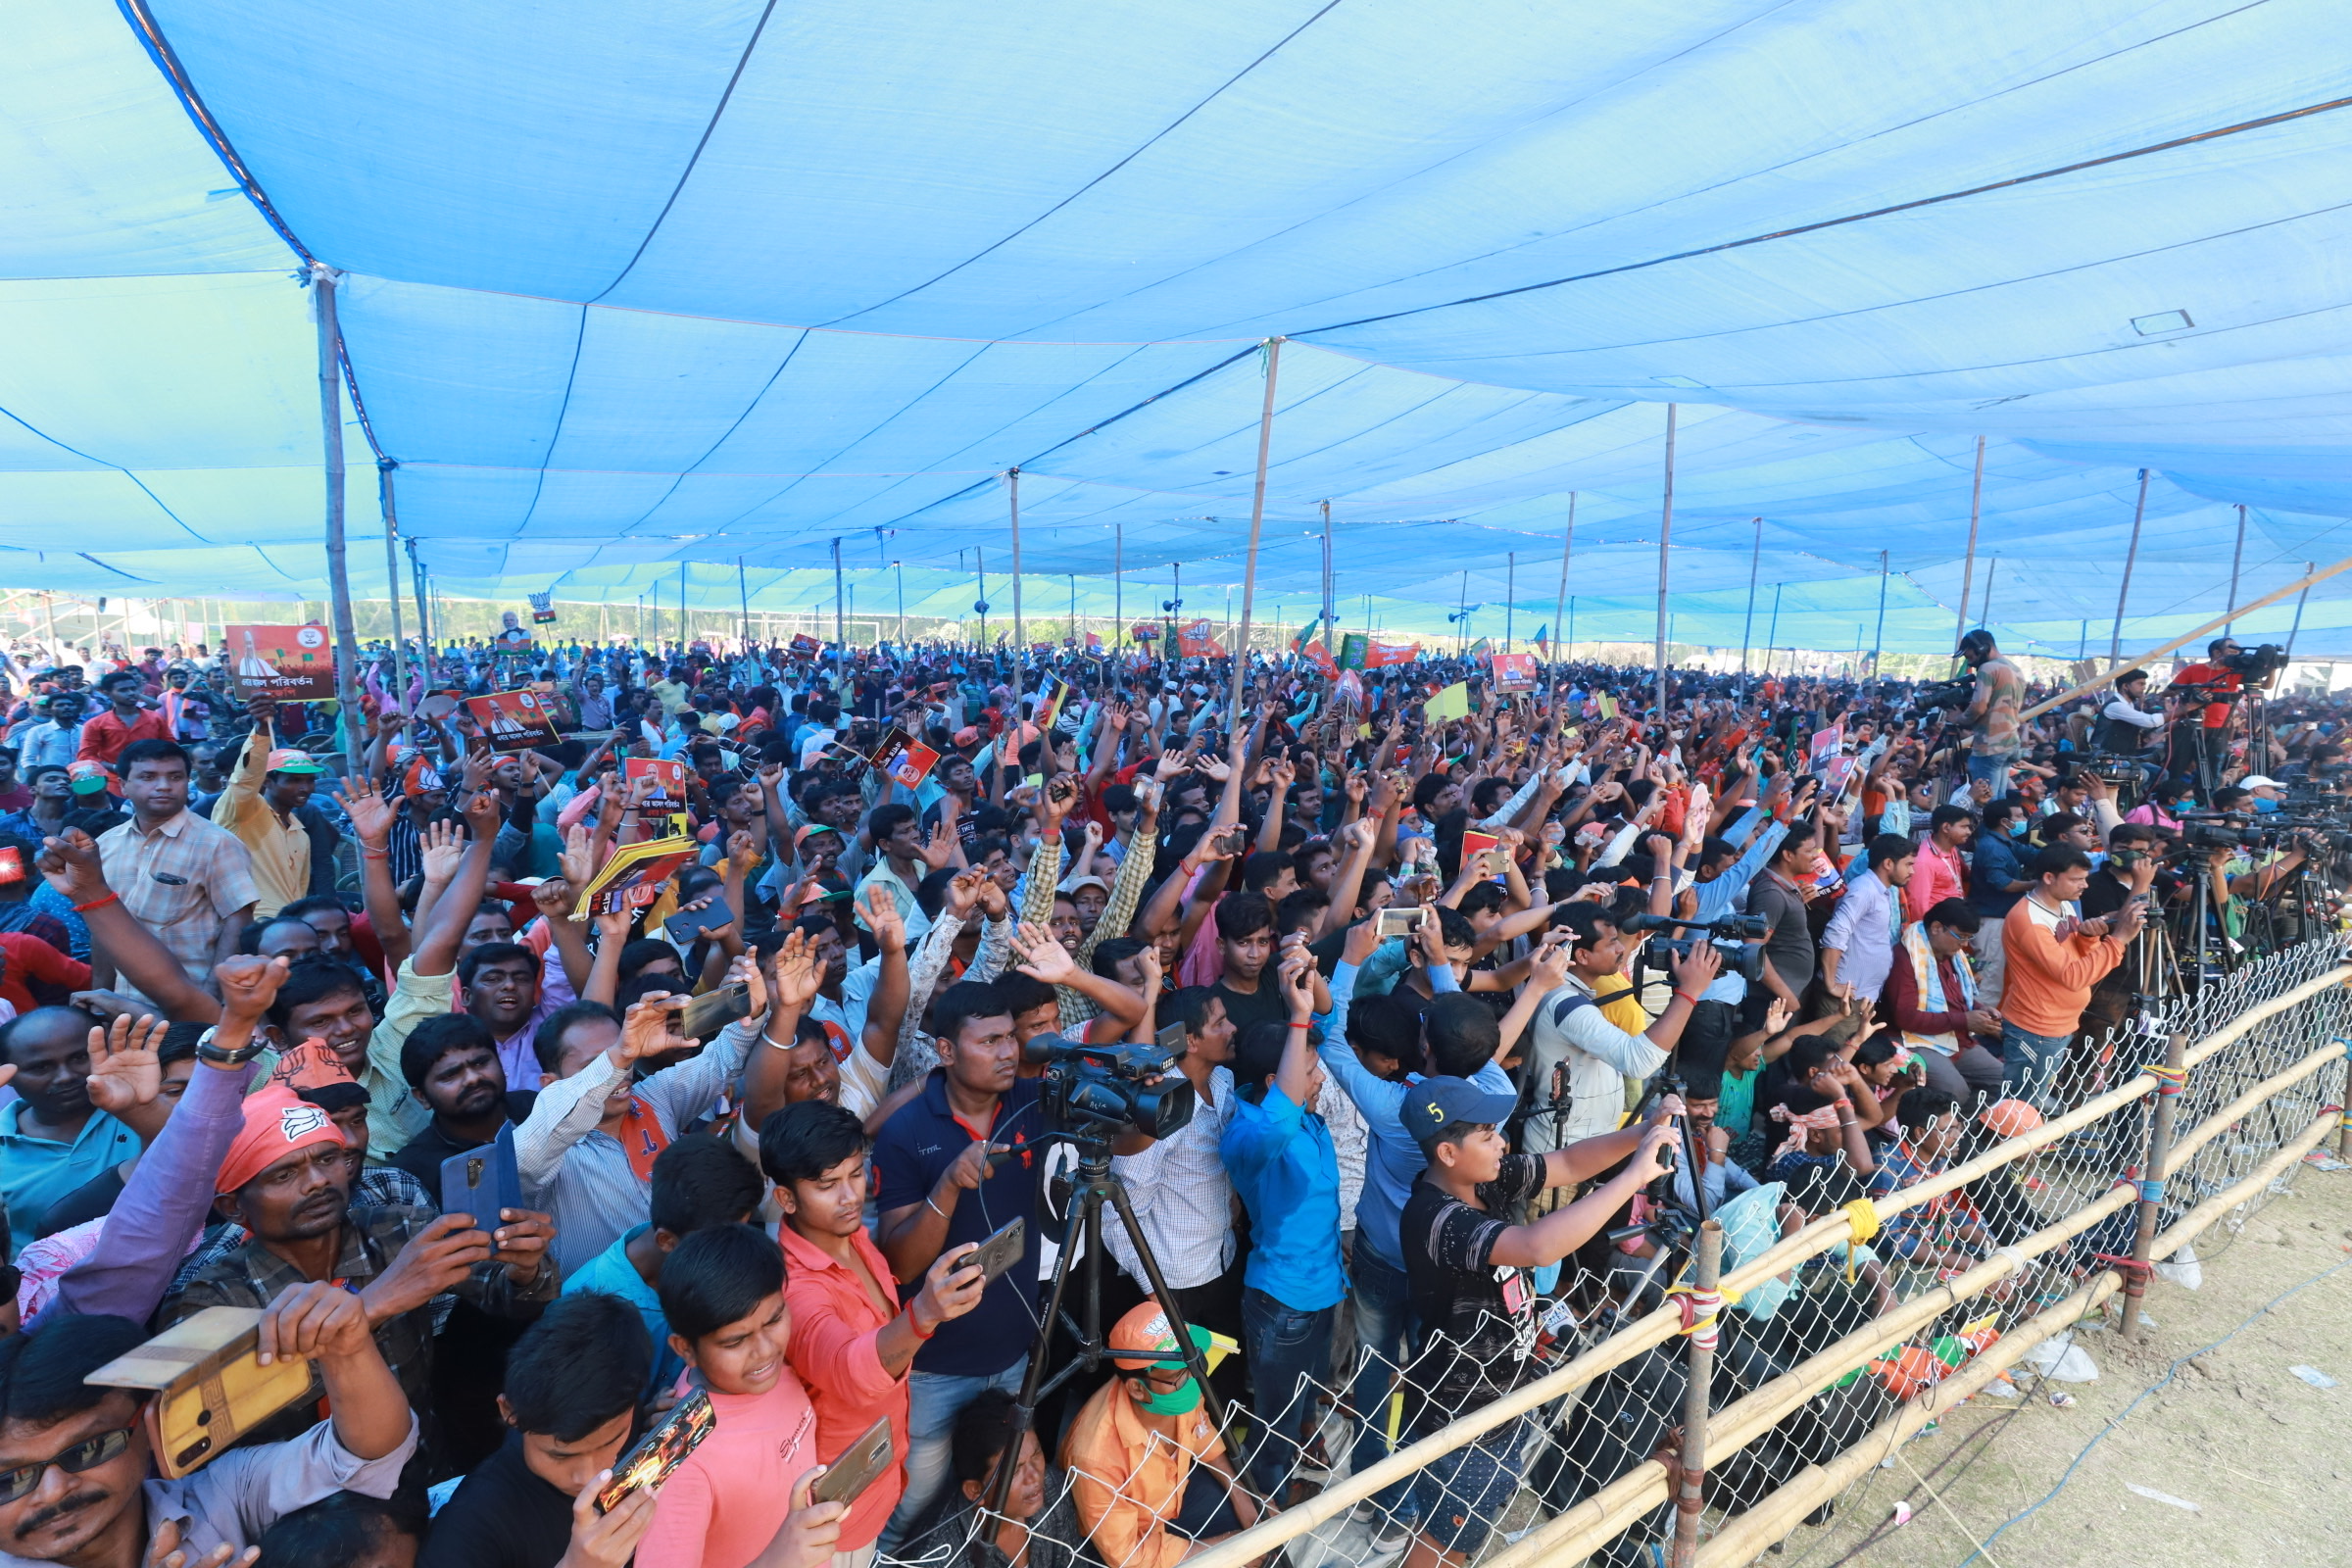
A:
(2216, 830)
(1117, 1084)
(1957, 692)
(1734, 937)
(2258, 663)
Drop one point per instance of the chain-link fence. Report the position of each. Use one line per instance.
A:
(1839, 1329)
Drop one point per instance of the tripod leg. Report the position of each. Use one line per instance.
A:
(1084, 1201)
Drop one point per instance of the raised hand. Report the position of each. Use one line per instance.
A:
(440, 849)
(248, 986)
(939, 849)
(437, 1259)
(125, 1069)
(69, 861)
(651, 1027)
(370, 814)
(1036, 953)
(554, 898)
(879, 908)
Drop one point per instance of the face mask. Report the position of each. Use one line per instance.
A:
(1176, 1402)
(2017, 827)
(2261, 805)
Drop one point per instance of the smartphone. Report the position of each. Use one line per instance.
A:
(704, 1016)
(685, 926)
(1393, 922)
(482, 1180)
(857, 1466)
(651, 1458)
(1001, 1250)
(211, 1390)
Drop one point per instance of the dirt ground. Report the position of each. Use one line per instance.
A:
(2265, 1458)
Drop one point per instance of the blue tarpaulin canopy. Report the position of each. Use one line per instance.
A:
(628, 287)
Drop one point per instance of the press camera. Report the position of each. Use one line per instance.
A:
(1118, 1085)
(1734, 937)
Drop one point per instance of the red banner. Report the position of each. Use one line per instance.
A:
(1380, 654)
(1319, 656)
(1195, 641)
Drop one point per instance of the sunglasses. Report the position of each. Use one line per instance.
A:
(88, 1455)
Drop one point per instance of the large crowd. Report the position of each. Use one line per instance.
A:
(1461, 971)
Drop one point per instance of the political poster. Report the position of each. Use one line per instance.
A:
(292, 663)
(513, 722)
(1514, 673)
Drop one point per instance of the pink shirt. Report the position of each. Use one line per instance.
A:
(725, 1503)
(1935, 877)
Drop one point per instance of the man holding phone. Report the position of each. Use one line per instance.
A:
(953, 1165)
(851, 1343)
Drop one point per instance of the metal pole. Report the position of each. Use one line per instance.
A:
(1020, 636)
(1461, 618)
(901, 571)
(2151, 1180)
(1073, 576)
(1665, 532)
(1331, 608)
(1698, 1394)
(1559, 606)
(1878, 641)
(841, 636)
(2236, 556)
(686, 632)
(743, 595)
(1118, 584)
(1257, 515)
(1772, 633)
(1990, 566)
(1968, 566)
(385, 503)
(980, 568)
(1510, 586)
(2309, 566)
(338, 566)
(2114, 644)
(1748, 627)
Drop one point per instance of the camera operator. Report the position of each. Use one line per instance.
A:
(2127, 727)
(1993, 711)
(2054, 957)
(2201, 750)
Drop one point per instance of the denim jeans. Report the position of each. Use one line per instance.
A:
(1290, 1358)
(1382, 1323)
(933, 1399)
(1993, 768)
(2029, 1063)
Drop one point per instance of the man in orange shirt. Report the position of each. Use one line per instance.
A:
(2053, 959)
(1147, 1470)
(122, 722)
(851, 1342)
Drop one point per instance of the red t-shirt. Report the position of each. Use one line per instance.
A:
(2217, 715)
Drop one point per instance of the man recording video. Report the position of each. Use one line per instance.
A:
(2201, 750)
(2127, 727)
(1993, 715)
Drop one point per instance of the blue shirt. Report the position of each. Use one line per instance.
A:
(1394, 1160)
(1995, 866)
(36, 1172)
(611, 1272)
(1282, 1163)
(911, 1152)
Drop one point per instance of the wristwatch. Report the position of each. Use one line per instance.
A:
(207, 1052)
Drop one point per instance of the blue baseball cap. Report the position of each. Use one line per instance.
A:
(1435, 1104)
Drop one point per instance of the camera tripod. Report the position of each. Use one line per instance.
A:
(1093, 1184)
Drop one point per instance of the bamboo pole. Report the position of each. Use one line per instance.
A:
(2150, 1188)
(1258, 517)
(2222, 1039)
(1559, 606)
(1748, 627)
(1968, 564)
(1745, 1536)
(1665, 531)
(338, 565)
(2309, 579)
(2122, 595)
(2181, 1151)
(2194, 1223)
(1697, 1395)
(385, 503)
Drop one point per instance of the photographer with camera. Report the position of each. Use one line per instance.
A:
(1991, 715)
(2055, 958)
(1578, 1059)
(2200, 751)
(2126, 727)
